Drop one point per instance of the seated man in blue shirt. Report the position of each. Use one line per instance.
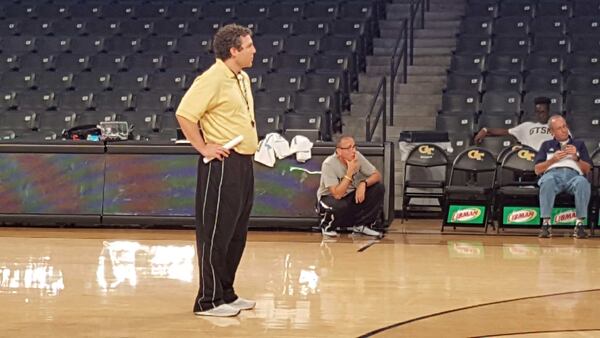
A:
(563, 163)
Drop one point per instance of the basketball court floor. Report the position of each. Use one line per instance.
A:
(415, 282)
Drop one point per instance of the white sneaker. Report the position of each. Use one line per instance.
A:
(330, 233)
(365, 230)
(222, 321)
(223, 310)
(242, 304)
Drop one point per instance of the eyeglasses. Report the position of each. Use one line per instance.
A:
(348, 147)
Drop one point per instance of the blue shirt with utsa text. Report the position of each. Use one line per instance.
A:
(549, 147)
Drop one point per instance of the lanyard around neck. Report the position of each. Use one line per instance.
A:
(243, 91)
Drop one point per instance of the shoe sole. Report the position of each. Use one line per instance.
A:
(244, 309)
(207, 314)
(362, 233)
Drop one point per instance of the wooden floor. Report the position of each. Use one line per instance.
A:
(415, 282)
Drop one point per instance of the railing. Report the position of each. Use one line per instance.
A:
(405, 36)
(397, 57)
(370, 128)
(415, 5)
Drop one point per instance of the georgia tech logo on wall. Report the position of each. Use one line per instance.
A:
(426, 150)
(476, 155)
(526, 155)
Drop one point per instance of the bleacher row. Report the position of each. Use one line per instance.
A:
(511, 51)
(69, 63)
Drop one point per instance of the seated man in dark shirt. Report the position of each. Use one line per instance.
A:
(563, 163)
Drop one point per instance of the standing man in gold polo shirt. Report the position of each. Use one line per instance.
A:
(217, 108)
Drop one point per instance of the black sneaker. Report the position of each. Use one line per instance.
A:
(579, 232)
(545, 232)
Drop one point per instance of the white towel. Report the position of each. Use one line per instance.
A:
(265, 154)
(302, 147)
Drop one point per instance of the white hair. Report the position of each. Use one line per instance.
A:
(552, 119)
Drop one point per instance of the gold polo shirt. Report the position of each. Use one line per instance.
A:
(221, 103)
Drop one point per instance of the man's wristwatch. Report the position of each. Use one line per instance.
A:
(484, 129)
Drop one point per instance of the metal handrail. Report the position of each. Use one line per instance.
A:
(406, 34)
(397, 57)
(414, 7)
(370, 130)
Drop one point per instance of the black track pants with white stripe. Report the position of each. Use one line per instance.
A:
(345, 212)
(224, 196)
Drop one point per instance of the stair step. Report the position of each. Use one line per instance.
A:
(426, 70)
(368, 82)
(402, 123)
(444, 16)
(432, 60)
(441, 7)
(397, 11)
(427, 78)
(450, 24)
(378, 60)
(435, 33)
(391, 24)
(432, 51)
(420, 88)
(389, 33)
(417, 99)
(384, 43)
(438, 42)
(415, 109)
(378, 70)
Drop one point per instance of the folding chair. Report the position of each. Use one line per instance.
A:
(425, 173)
(517, 193)
(469, 194)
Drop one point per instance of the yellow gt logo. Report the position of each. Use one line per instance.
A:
(426, 150)
(526, 155)
(475, 155)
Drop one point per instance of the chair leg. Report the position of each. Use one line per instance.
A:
(405, 201)
(444, 214)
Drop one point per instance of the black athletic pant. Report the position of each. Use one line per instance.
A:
(224, 196)
(345, 212)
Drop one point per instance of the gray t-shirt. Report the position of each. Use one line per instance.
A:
(333, 171)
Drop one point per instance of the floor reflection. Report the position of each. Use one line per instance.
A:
(37, 274)
(120, 262)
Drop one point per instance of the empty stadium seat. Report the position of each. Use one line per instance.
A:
(467, 64)
(583, 103)
(464, 83)
(476, 26)
(542, 80)
(267, 123)
(583, 83)
(501, 102)
(306, 125)
(512, 26)
(456, 123)
(552, 62)
(505, 63)
(460, 103)
(91, 81)
(503, 82)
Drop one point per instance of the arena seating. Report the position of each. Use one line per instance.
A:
(133, 60)
(509, 52)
